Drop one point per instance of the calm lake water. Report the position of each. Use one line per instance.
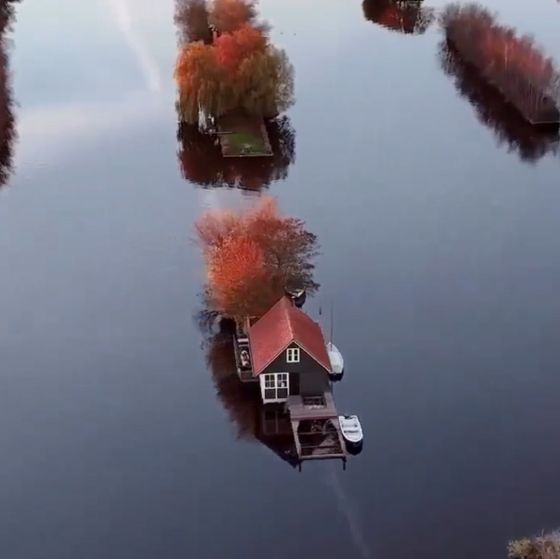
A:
(440, 249)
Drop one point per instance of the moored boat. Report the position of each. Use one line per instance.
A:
(337, 361)
(351, 432)
(297, 295)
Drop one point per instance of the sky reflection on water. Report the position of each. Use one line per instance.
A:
(439, 248)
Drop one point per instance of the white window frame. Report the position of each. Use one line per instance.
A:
(293, 355)
(274, 381)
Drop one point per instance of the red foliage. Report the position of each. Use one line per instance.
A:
(512, 64)
(404, 17)
(229, 15)
(233, 48)
(253, 256)
(510, 128)
(238, 277)
(227, 64)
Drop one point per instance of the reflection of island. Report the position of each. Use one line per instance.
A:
(202, 162)
(510, 128)
(408, 17)
(7, 121)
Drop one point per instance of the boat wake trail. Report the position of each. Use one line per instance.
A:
(350, 515)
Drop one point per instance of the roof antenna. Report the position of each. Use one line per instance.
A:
(332, 321)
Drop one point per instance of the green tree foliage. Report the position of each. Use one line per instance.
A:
(264, 84)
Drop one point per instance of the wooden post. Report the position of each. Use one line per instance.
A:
(295, 427)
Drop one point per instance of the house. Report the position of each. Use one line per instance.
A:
(286, 353)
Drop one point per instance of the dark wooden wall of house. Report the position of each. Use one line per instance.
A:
(313, 383)
(313, 378)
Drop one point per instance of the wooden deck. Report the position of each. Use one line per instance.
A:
(315, 427)
(245, 375)
(314, 407)
(243, 136)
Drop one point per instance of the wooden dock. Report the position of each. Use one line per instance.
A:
(316, 428)
(243, 136)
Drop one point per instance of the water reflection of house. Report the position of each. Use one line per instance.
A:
(509, 127)
(408, 17)
(290, 363)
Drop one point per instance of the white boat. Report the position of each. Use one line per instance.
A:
(336, 359)
(351, 430)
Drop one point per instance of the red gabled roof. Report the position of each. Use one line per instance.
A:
(282, 325)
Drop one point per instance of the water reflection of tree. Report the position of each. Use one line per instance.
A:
(530, 142)
(7, 121)
(202, 162)
(242, 401)
(408, 17)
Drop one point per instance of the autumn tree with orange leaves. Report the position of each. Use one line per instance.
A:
(253, 256)
(238, 70)
(229, 15)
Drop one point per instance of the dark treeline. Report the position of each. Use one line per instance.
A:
(404, 17)
(513, 64)
(7, 120)
(509, 127)
(202, 162)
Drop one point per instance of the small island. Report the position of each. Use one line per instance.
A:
(230, 78)
(260, 268)
(512, 64)
(510, 129)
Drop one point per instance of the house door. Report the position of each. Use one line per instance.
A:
(294, 384)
